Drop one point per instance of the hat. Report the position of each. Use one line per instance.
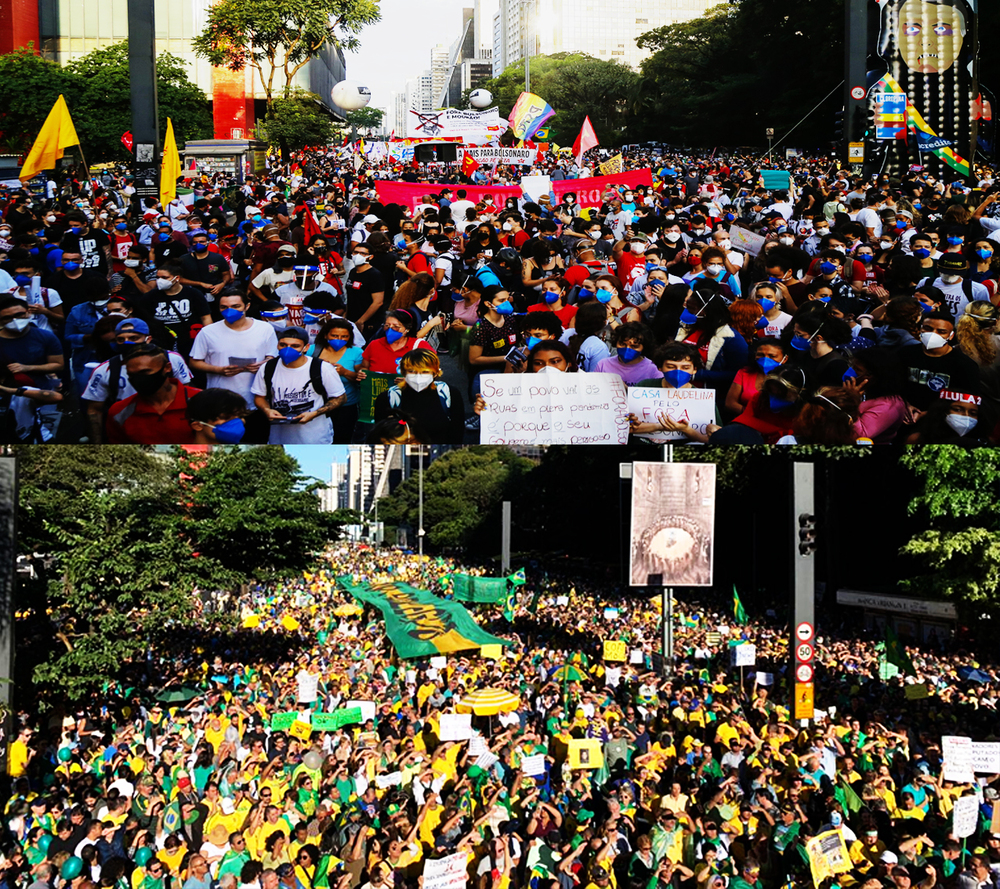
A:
(227, 806)
(598, 873)
(991, 793)
(639, 236)
(284, 248)
(133, 325)
(285, 870)
(218, 835)
(952, 262)
(370, 219)
(905, 213)
(888, 857)
(269, 230)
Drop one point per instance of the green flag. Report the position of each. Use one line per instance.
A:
(739, 614)
(851, 801)
(517, 577)
(509, 603)
(895, 653)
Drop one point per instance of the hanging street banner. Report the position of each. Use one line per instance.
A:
(474, 126)
(499, 155)
(418, 623)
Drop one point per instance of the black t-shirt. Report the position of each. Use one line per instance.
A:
(926, 376)
(209, 268)
(359, 289)
(174, 314)
(92, 247)
(169, 249)
(828, 370)
(72, 291)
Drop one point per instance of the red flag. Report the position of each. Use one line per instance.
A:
(469, 164)
(127, 139)
(310, 226)
(585, 141)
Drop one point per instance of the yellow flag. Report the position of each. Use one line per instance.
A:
(170, 166)
(613, 165)
(57, 133)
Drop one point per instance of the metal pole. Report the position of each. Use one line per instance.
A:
(505, 538)
(855, 74)
(527, 48)
(769, 138)
(668, 601)
(803, 549)
(145, 107)
(420, 495)
(8, 569)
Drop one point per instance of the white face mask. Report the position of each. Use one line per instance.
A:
(164, 283)
(932, 340)
(596, 235)
(786, 241)
(636, 247)
(951, 279)
(419, 382)
(360, 258)
(960, 423)
(132, 263)
(18, 324)
(50, 219)
(725, 245)
(714, 270)
(673, 237)
(507, 226)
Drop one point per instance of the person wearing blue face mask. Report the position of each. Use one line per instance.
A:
(218, 416)
(630, 341)
(205, 271)
(766, 356)
(336, 343)
(80, 323)
(705, 323)
(678, 365)
(496, 332)
(554, 301)
(770, 412)
(828, 270)
(122, 240)
(297, 393)
(814, 333)
(983, 271)
(774, 320)
(382, 353)
(94, 244)
(232, 350)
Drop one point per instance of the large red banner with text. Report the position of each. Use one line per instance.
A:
(409, 194)
(589, 192)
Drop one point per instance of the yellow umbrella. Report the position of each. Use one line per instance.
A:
(289, 623)
(251, 622)
(489, 702)
(346, 610)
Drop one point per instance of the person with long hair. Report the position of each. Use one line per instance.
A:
(811, 338)
(764, 356)
(415, 295)
(704, 323)
(336, 344)
(826, 417)
(382, 354)
(584, 339)
(975, 332)
(770, 413)
(424, 399)
(957, 418)
(744, 316)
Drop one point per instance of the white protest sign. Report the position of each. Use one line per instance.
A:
(986, 757)
(966, 816)
(744, 655)
(957, 754)
(446, 873)
(474, 126)
(635, 656)
(486, 760)
(477, 746)
(367, 709)
(495, 154)
(654, 404)
(455, 727)
(746, 240)
(562, 600)
(439, 662)
(533, 765)
(554, 408)
(765, 678)
(391, 780)
(533, 187)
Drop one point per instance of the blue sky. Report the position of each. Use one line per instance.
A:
(316, 459)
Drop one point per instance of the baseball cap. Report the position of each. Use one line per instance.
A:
(284, 248)
(296, 332)
(133, 325)
(369, 219)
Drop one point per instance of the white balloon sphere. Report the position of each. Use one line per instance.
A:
(480, 98)
(312, 760)
(350, 95)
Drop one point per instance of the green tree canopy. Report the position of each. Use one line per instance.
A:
(365, 118)
(31, 86)
(295, 121)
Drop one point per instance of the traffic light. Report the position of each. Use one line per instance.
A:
(807, 534)
(838, 126)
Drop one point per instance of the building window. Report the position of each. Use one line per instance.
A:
(616, 52)
(642, 21)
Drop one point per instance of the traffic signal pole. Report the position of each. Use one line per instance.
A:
(802, 645)
(855, 80)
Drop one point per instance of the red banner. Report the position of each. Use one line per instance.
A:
(590, 191)
(409, 194)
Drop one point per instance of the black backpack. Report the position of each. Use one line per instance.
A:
(315, 377)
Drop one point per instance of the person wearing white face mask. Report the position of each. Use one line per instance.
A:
(733, 258)
(424, 400)
(935, 365)
(179, 309)
(954, 417)
(714, 268)
(953, 281)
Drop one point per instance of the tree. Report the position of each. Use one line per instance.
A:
(272, 36)
(31, 86)
(365, 118)
(295, 121)
(957, 554)
(463, 490)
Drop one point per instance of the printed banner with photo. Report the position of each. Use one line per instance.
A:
(673, 524)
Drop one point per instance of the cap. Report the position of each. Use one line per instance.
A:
(134, 325)
(268, 230)
(297, 332)
(888, 857)
(598, 873)
(284, 248)
(285, 870)
(952, 262)
(369, 219)
(639, 236)
(227, 806)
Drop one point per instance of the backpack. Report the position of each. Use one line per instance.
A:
(315, 377)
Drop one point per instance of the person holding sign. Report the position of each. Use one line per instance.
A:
(493, 338)
(336, 345)
(678, 364)
(422, 398)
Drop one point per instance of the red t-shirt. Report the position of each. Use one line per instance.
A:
(383, 359)
(565, 315)
(131, 421)
(631, 266)
(418, 263)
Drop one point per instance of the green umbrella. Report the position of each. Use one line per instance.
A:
(179, 695)
(568, 673)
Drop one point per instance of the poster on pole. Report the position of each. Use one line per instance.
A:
(446, 873)
(673, 524)
(965, 816)
(956, 751)
(473, 126)
(455, 727)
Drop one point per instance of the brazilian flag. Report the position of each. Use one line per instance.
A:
(895, 653)
(517, 578)
(510, 602)
(739, 613)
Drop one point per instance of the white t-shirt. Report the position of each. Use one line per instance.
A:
(97, 388)
(954, 294)
(459, 207)
(54, 299)
(221, 345)
(869, 218)
(292, 393)
(775, 327)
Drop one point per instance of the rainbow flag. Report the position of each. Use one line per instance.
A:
(528, 115)
(945, 153)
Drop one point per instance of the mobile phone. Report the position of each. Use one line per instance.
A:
(516, 356)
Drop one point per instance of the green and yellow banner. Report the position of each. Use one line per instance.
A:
(472, 588)
(418, 623)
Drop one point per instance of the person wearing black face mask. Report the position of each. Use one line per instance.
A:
(262, 286)
(205, 271)
(110, 383)
(157, 412)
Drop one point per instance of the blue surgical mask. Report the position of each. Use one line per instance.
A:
(827, 267)
(164, 236)
(201, 248)
(533, 341)
(212, 236)
(800, 342)
(310, 318)
(288, 354)
(506, 308)
(767, 364)
(230, 432)
(774, 279)
(22, 280)
(627, 353)
(921, 252)
(900, 224)
(866, 258)
(231, 315)
(121, 226)
(778, 404)
(338, 344)
(552, 296)
(925, 308)
(730, 217)
(766, 304)
(393, 336)
(71, 266)
(604, 296)
(761, 322)
(677, 378)
(688, 318)
(983, 253)
(954, 240)
(849, 374)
